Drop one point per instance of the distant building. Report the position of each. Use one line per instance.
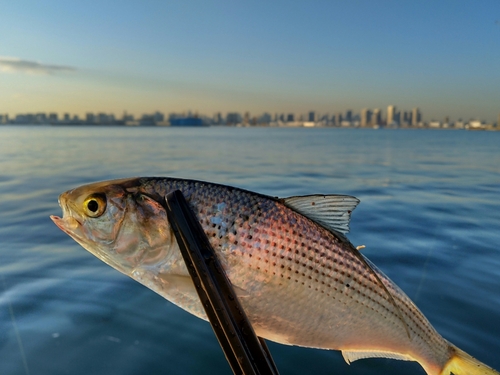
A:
(366, 115)
(376, 117)
(416, 116)
(265, 118)
(476, 124)
(338, 119)
(290, 117)
(158, 117)
(345, 124)
(348, 115)
(147, 120)
(246, 118)
(53, 118)
(126, 117)
(391, 112)
(186, 121)
(20, 119)
(397, 117)
(322, 120)
(312, 116)
(434, 124)
(404, 118)
(217, 118)
(102, 118)
(446, 122)
(41, 118)
(233, 118)
(90, 118)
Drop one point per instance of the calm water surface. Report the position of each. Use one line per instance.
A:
(429, 216)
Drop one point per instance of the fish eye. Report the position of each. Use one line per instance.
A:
(95, 205)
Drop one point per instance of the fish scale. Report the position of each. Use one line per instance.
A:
(271, 238)
(299, 279)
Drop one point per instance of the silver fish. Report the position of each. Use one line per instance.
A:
(299, 279)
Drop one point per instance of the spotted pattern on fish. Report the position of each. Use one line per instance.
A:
(283, 249)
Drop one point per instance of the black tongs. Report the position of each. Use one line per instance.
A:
(246, 353)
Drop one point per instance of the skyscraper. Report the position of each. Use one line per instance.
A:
(218, 118)
(365, 117)
(246, 118)
(391, 111)
(338, 119)
(404, 118)
(233, 118)
(312, 116)
(416, 117)
(376, 118)
(348, 115)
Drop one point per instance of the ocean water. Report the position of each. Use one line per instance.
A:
(429, 217)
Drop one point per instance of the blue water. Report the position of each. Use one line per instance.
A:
(429, 216)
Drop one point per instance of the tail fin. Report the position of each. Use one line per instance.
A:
(461, 363)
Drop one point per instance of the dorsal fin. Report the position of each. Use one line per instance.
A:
(331, 211)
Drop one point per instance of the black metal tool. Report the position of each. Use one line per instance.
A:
(246, 353)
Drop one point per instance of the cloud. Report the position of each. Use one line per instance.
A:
(16, 65)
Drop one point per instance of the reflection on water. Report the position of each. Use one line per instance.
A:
(428, 216)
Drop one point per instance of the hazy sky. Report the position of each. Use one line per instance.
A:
(274, 56)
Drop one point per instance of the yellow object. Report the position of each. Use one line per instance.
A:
(463, 364)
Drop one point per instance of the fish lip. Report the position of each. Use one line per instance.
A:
(62, 224)
(58, 222)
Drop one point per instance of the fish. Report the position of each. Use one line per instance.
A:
(299, 279)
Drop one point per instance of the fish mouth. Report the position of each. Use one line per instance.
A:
(68, 224)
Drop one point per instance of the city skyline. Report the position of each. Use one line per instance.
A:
(365, 115)
(262, 57)
(365, 118)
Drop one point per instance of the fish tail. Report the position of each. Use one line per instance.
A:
(460, 363)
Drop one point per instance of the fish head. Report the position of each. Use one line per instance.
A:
(118, 223)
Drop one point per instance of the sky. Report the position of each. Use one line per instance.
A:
(259, 56)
